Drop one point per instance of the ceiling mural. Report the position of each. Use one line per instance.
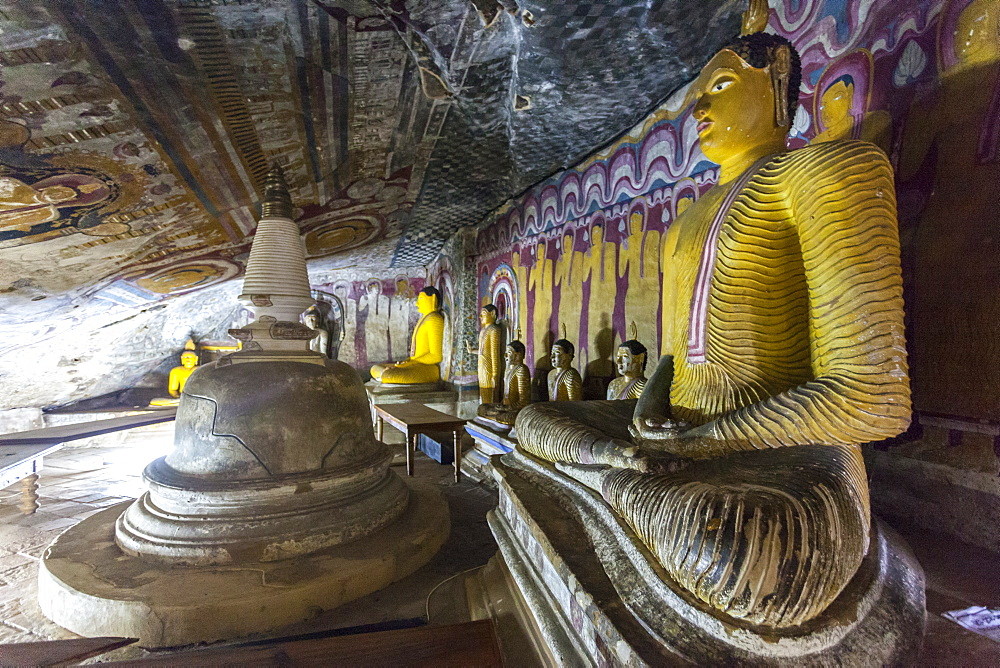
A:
(135, 134)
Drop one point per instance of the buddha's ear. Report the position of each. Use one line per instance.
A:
(781, 69)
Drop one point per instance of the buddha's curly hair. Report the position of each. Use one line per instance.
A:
(517, 347)
(566, 346)
(758, 48)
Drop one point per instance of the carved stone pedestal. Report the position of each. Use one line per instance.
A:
(598, 597)
(491, 438)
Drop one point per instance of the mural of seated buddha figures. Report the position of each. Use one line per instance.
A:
(783, 334)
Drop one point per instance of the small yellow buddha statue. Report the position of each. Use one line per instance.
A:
(517, 387)
(564, 382)
(630, 361)
(179, 376)
(489, 360)
(426, 346)
(783, 332)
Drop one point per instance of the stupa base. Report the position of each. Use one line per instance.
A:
(88, 585)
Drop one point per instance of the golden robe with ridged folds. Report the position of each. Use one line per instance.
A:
(803, 359)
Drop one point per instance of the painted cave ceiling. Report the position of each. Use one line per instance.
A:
(135, 134)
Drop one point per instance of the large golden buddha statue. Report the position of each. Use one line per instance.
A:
(783, 340)
(423, 365)
(516, 385)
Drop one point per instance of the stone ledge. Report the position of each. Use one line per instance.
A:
(89, 586)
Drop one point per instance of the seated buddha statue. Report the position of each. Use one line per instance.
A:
(564, 382)
(489, 362)
(516, 386)
(321, 342)
(739, 466)
(179, 376)
(428, 337)
(631, 363)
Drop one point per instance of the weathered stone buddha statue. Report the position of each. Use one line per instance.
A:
(516, 384)
(490, 362)
(631, 363)
(423, 365)
(783, 326)
(321, 342)
(564, 382)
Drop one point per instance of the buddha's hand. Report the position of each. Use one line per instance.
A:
(657, 427)
(620, 456)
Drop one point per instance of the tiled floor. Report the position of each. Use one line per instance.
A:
(75, 482)
(78, 481)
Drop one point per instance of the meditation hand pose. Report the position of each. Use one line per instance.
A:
(517, 387)
(564, 381)
(631, 363)
(783, 333)
(490, 363)
(423, 364)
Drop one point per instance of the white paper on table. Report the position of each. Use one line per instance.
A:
(981, 620)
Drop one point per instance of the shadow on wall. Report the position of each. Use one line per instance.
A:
(543, 364)
(600, 371)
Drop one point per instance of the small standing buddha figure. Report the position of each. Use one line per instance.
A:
(565, 383)
(516, 385)
(489, 360)
(783, 332)
(426, 346)
(631, 363)
(179, 376)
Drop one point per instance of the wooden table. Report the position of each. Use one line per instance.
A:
(414, 419)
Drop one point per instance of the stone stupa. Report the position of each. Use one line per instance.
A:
(276, 500)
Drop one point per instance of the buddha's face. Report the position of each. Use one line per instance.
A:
(597, 235)
(512, 357)
(734, 107)
(487, 317)
(310, 320)
(426, 303)
(836, 103)
(628, 364)
(560, 358)
(189, 360)
(567, 244)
